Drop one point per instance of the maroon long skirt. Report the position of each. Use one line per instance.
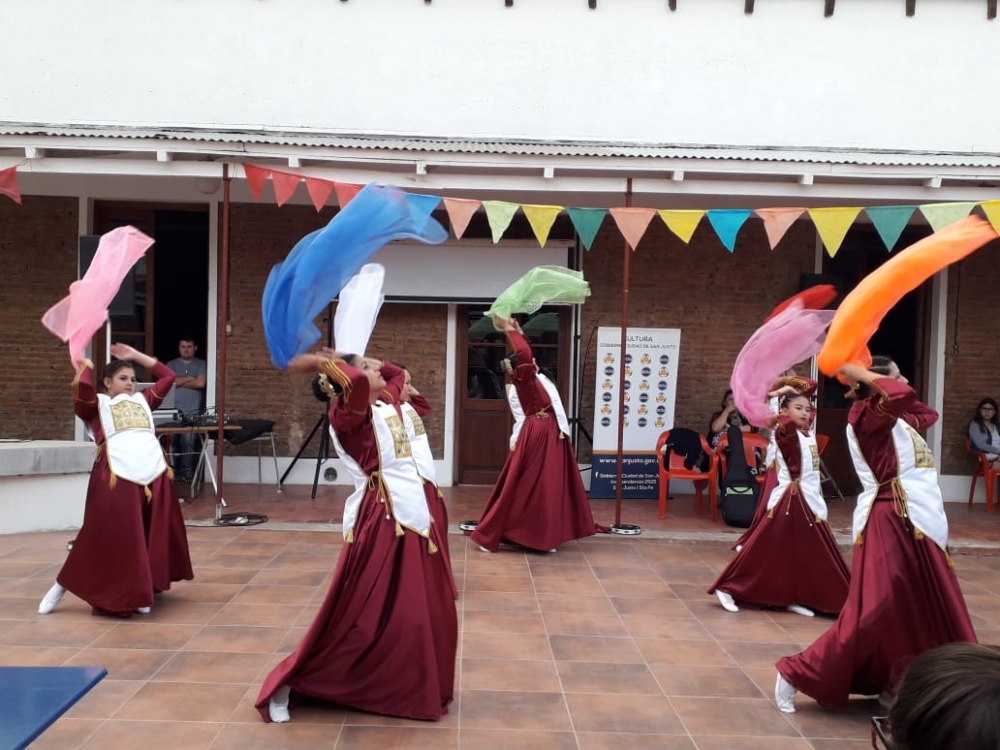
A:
(539, 501)
(790, 558)
(385, 638)
(439, 530)
(129, 546)
(904, 600)
(760, 513)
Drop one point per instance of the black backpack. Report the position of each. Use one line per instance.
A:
(738, 489)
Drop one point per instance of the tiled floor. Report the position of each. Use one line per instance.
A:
(610, 642)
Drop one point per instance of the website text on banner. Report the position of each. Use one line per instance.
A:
(650, 364)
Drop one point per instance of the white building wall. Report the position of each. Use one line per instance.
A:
(631, 70)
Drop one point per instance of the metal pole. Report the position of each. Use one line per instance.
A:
(619, 527)
(222, 337)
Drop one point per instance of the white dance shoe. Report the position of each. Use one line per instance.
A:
(277, 707)
(726, 600)
(51, 599)
(143, 610)
(784, 695)
(800, 610)
(483, 549)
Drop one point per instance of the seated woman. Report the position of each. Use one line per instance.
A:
(984, 431)
(726, 417)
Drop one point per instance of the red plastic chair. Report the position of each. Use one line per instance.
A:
(675, 469)
(983, 470)
(752, 443)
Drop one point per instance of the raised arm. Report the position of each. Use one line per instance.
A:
(84, 395)
(164, 380)
(395, 381)
(419, 403)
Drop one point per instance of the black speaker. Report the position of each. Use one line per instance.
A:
(808, 280)
(124, 301)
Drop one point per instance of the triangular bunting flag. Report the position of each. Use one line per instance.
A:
(284, 185)
(319, 191)
(499, 215)
(727, 222)
(633, 223)
(832, 225)
(345, 192)
(992, 211)
(8, 184)
(890, 221)
(256, 177)
(940, 215)
(460, 211)
(777, 222)
(541, 219)
(586, 222)
(681, 223)
(425, 204)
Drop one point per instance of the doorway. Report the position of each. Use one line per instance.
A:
(170, 283)
(484, 419)
(902, 335)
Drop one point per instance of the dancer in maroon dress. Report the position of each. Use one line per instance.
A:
(385, 638)
(904, 597)
(132, 543)
(539, 501)
(790, 559)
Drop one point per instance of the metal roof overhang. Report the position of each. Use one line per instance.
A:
(567, 173)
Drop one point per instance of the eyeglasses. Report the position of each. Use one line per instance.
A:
(881, 735)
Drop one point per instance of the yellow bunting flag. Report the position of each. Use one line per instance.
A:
(632, 223)
(499, 215)
(992, 211)
(460, 211)
(777, 222)
(541, 219)
(681, 223)
(940, 215)
(832, 225)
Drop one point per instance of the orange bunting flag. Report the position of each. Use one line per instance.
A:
(319, 191)
(632, 223)
(8, 184)
(284, 185)
(681, 222)
(345, 192)
(460, 212)
(256, 177)
(777, 222)
(541, 219)
(833, 225)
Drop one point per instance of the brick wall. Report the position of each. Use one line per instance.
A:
(972, 352)
(38, 242)
(717, 299)
(262, 235)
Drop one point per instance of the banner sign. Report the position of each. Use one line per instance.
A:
(650, 363)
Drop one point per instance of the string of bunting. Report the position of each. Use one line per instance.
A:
(831, 223)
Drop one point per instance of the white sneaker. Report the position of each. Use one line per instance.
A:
(143, 610)
(481, 547)
(277, 707)
(738, 547)
(51, 599)
(726, 600)
(553, 550)
(784, 695)
(800, 610)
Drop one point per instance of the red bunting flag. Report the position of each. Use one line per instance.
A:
(8, 184)
(345, 192)
(284, 185)
(319, 191)
(256, 177)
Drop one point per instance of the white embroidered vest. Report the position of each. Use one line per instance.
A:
(518, 411)
(402, 488)
(133, 451)
(918, 477)
(810, 482)
(420, 443)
